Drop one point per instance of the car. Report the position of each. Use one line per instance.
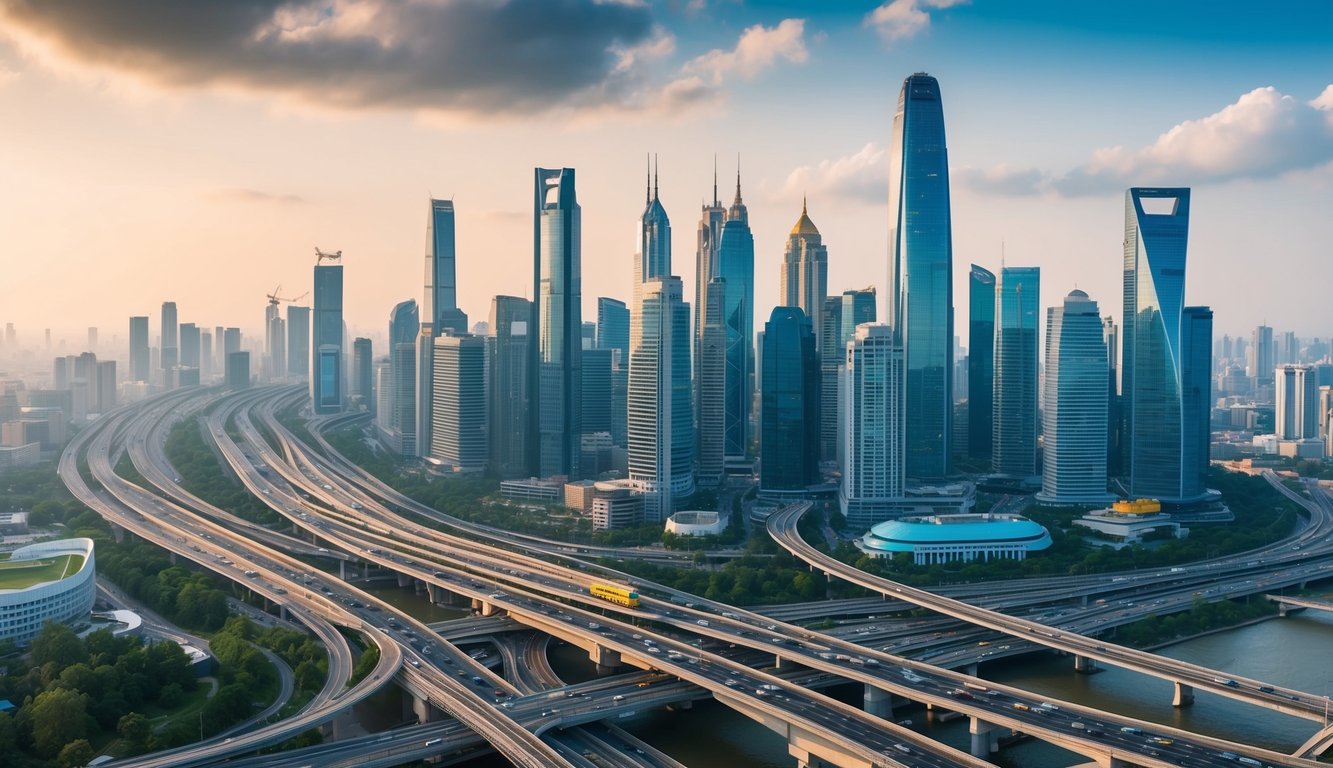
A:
(1265, 689)
(617, 697)
(414, 662)
(702, 622)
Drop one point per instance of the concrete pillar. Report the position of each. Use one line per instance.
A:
(984, 738)
(404, 580)
(804, 759)
(488, 609)
(1085, 665)
(878, 702)
(1083, 600)
(173, 558)
(606, 659)
(424, 712)
(342, 570)
(972, 669)
(1184, 695)
(437, 594)
(282, 613)
(117, 533)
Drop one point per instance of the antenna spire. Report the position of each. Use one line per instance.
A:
(655, 176)
(715, 202)
(648, 179)
(738, 179)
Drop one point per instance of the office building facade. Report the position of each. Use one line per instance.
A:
(298, 341)
(735, 265)
(921, 272)
(803, 281)
(512, 456)
(326, 345)
(1074, 419)
(980, 361)
(1017, 312)
(660, 420)
(169, 343)
(139, 355)
(789, 404)
(871, 380)
(556, 352)
(459, 435)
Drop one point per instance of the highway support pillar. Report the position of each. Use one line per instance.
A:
(606, 659)
(878, 702)
(1085, 665)
(404, 580)
(985, 737)
(1108, 761)
(282, 613)
(424, 712)
(804, 759)
(1184, 695)
(342, 570)
(437, 594)
(972, 669)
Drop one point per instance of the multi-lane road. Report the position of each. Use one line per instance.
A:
(349, 511)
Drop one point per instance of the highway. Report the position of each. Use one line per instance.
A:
(1204, 750)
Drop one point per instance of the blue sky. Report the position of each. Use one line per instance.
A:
(208, 147)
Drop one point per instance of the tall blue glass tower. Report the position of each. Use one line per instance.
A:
(1154, 345)
(1014, 398)
(980, 360)
(736, 268)
(921, 270)
(789, 412)
(557, 292)
(326, 347)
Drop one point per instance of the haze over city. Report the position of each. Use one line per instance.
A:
(201, 154)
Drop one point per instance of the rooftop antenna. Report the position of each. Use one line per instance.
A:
(715, 202)
(648, 178)
(655, 197)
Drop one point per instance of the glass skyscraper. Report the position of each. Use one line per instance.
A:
(710, 394)
(139, 348)
(871, 381)
(1196, 327)
(511, 454)
(803, 281)
(1074, 414)
(660, 419)
(1154, 337)
(838, 324)
(556, 362)
(398, 422)
(170, 350)
(709, 431)
(439, 312)
(736, 267)
(1018, 305)
(789, 403)
(459, 433)
(298, 341)
(613, 334)
(326, 379)
(980, 361)
(921, 271)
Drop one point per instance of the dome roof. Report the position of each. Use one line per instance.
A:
(804, 226)
(1077, 294)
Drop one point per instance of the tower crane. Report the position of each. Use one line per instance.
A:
(274, 299)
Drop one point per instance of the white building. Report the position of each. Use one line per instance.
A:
(458, 419)
(871, 426)
(1074, 419)
(46, 596)
(1296, 402)
(660, 420)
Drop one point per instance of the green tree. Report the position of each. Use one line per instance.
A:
(76, 754)
(135, 730)
(57, 644)
(59, 717)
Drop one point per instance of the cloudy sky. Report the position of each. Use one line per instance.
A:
(199, 151)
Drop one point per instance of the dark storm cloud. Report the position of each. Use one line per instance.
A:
(454, 55)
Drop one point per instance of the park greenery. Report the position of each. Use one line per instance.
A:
(1201, 617)
(743, 581)
(76, 696)
(1263, 516)
(202, 474)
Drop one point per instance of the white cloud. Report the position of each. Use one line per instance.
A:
(859, 177)
(1263, 134)
(901, 19)
(758, 49)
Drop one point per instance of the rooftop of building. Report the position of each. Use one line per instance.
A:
(960, 529)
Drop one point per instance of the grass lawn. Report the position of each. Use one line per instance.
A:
(25, 573)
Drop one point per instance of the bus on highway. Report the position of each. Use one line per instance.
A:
(618, 595)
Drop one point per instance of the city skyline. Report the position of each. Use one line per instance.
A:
(1255, 128)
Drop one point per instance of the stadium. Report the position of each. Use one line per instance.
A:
(50, 581)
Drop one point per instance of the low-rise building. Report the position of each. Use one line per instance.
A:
(695, 523)
(953, 538)
(1127, 522)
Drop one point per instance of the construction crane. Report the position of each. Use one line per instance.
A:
(274, 299)
(320, 256)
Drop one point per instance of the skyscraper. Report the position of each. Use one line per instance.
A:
(789, 409)
(399, 423)
(363, 372)
(921, 272)
(1196, 329)
(326, 379)
(613, 334)
(1153, 359)
(735, 256)
(706, 267)
(298, 340)
(277, 347)
(660, 420)
(1295, 399)
(459, 434)
(189, 345)
(557, 291)
(104, 388)
(1074, 416)
(439, 312)
(597, 390)
(710, 395)
(1018, 307)
(1114, 447)
(980, 361)
(841, 317)
(872, 418)
(1262, 357)
(803, 281)
(206, 357)
(170, 356)
(237, 373)
(139, 348)
(511, 457)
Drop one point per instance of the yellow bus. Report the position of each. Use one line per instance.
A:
(618, 595)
